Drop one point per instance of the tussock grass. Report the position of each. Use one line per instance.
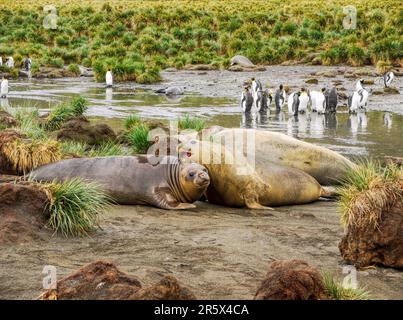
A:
(64, 112)
(105, 149)
(337, 291)
(138, 138)
(75, 206)
(191, 123)
(131, 121)
(25, 156)
(30, 126)
(367, 191)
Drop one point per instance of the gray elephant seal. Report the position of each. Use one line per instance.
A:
(169, 184)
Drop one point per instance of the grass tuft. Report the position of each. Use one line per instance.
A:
(138, 138)
(26, 156)
(64, 112)
(191, 123)
(367, 191)
(337, 291)
(106, 149)
(75, 206)
(131, 121)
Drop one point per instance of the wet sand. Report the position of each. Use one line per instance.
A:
(219, 253)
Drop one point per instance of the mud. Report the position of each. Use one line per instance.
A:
(217, 252)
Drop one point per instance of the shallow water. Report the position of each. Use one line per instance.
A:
(375, 133)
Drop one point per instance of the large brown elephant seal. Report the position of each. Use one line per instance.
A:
(326, 166)
(168, 184)
(237, 184)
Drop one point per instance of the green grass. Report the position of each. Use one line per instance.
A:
(29, 125)
(366, 191)
(75, 206)
(138, 138)
(131, 121)
(336, 290)
(64, 112)
(191, 123)
(138, 38)
(106, 149)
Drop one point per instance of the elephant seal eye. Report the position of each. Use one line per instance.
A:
(191, 174)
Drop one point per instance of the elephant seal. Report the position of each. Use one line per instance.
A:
(168, 184)
(325, 165)
(237, 184)
(242, 61)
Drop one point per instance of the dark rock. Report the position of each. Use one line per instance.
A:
(101, 280)
(80, 129)
(291, 280)
(7, 119)
(312, 81)
(364, 246)
(391, 90)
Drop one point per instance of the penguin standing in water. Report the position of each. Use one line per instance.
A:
(359, 99)
(279, 97)
(331, 100)
(304, 100)
(293, 103)
(4, 88)
(256, 87)
(388, 78)
(109, 78)
(264, 99)
(246, 100)
(318, 101)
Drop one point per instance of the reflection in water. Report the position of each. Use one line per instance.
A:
(5, 104)
(317, 125)
(108, 94)
(357, 121)
(279, 116)
(331, 121)
(262, 118)
(249, 120)
(387, 120)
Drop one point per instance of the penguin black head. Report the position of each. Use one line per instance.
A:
(302, 89)
(253, 78)
(361, 81)
(323, 89)
(281, 87)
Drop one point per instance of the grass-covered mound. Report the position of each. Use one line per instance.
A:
(138, 38)
(371, 207)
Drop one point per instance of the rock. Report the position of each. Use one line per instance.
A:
(337, 82)
(246, 69)
(80, 129)
(52, 73)
(350, 76)
(364, 246)
(391, 90)
(23, 74)
(377, 92)
(171, 70)
(167, 289)
(364, 72)
(7, 119)
(369, 81)
(317, 61)
(327, 74)
(85, 72)
(312, 81)
(241, 61)
(23, 212)
(101, 280)
(291, 280)
(202, 67)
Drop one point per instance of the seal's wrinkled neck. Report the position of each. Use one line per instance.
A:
(173, 171)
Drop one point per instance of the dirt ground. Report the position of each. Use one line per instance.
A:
(219, 253)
